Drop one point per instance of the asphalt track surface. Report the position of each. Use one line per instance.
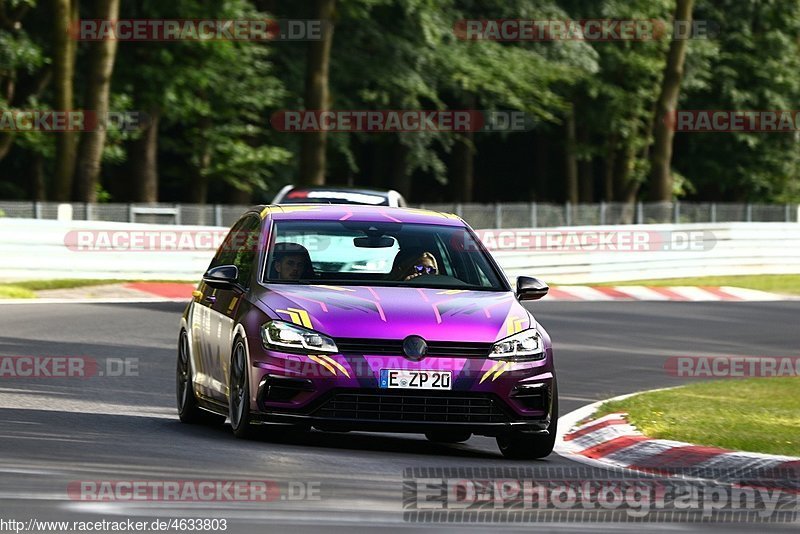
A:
(57, 431)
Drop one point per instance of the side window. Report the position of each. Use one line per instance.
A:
(226, 251)
(245, 251)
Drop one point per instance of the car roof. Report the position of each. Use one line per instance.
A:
(356, 212)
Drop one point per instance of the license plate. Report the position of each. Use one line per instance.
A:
(407, 379)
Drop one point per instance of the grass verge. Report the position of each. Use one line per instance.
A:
(27, 289)
(756, 414)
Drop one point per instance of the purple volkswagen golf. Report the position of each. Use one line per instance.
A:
(369, 318)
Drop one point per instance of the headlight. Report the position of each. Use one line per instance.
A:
(292, 338)
(525, 345)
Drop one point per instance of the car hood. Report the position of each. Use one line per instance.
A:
(397, 312)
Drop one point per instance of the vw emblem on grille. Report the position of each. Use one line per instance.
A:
(415, 348)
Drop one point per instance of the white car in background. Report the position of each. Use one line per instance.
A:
(338, 195)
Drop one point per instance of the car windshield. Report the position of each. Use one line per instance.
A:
(378, 253)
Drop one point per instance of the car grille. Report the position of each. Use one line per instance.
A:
(383, 347)
(391, 406)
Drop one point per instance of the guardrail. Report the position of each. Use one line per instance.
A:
(502, 215)
(31, 249)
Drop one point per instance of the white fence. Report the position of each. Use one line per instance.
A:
(501, 215)
(42, 249)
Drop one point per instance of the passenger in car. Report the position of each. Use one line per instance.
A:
(411, 264)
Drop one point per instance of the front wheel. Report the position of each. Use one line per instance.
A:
(519, 446)
(188, 409)
(239, 393)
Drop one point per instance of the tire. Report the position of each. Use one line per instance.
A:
(443, 436)
(188, 409)
(239, 393)
(519, 446)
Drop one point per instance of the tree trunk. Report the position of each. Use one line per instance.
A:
(539, 189)
(101, 66)
(585, 169)
(200, 190)
(39, 192)
(144, 152)
(463, 168)
(64, 46)
(313, 144)
(610, 169)
(400, 179)
(570, 146)
(660, 175)
(240, 197)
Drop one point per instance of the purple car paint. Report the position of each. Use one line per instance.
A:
(354, 345)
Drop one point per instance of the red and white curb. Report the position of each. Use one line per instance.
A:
(612, 442)
(673, 293)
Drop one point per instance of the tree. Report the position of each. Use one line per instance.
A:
(64, 49)
(314, 144)
(101, 65)
(663, 133)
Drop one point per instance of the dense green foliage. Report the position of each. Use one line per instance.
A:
(213, 101)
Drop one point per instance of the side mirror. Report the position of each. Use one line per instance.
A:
(531, 288)
(222, 277)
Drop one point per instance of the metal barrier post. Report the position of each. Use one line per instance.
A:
(713, 212)
(639, 213)
(534, 215)
(568, 214)
(676, 212)
(217, 215)
(498, 215)
(602, 213)
(749, 211)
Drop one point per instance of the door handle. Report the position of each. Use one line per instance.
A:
(210, 298)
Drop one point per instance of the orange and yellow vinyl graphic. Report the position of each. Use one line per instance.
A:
(301, 318)
(513, 326)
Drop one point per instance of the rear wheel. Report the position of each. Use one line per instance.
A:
(188, 409)
(239, 393)
(444, 436)
(519, 446)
